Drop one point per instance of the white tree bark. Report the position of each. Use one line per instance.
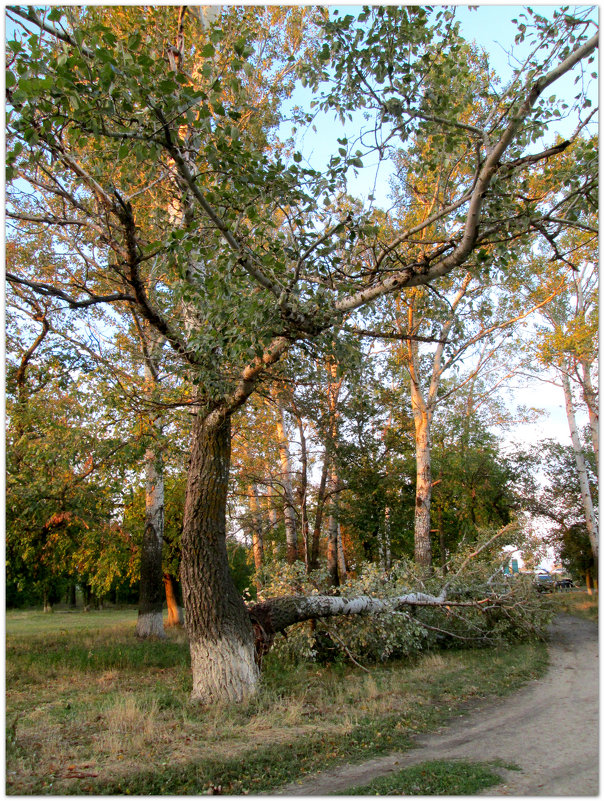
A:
(224, 671)
(590, 517)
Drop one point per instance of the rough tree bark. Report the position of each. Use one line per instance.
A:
(220, 633)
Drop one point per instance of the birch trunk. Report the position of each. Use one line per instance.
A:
(387, 555)
(591, 401)
(302, 492)
(276, 614)
(590, 518)
(221, 637)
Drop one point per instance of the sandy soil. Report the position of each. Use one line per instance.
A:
(549, 729)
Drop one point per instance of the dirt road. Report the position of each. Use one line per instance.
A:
(549, 729)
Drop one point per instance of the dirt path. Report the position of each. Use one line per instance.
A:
(549, 729)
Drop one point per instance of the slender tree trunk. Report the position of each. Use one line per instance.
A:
(47, 606)
(316, 535)
(151, 594)
(423, 488)
(221, 637)
(442, 542)
(289, 511)
(591, 401)
(302, 492)
(332, 531)
(342, 569)
(590, 518)
(272, 518)
(175, 617)
(72, 595)
(387, 555)
(255, 530)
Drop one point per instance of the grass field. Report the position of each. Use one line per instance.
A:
(91, 710)
(576, 603)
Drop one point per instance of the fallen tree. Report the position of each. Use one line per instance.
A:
(477, 606)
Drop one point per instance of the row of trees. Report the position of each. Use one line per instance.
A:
(181, 281)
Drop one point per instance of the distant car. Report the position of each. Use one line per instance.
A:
(545, 583)
(564, 584)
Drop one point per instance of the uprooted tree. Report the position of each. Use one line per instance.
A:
(135, 151)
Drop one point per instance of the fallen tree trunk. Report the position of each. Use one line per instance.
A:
(276, 614)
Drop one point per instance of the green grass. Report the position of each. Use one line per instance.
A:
(25, 622)
(577, 603)
(91, 710)
(441, 777)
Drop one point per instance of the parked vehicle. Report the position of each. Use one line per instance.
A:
(545, 583)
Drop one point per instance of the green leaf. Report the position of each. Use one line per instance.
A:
(207, 51)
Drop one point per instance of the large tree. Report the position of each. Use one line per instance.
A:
(266, 260)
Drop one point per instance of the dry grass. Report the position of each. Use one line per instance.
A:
(98, 706)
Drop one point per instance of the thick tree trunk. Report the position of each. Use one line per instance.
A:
(221, 637)
(175, 617)
(151, 593)
(590, 518)
(275, 614)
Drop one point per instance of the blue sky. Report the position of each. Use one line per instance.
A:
(491, 27)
